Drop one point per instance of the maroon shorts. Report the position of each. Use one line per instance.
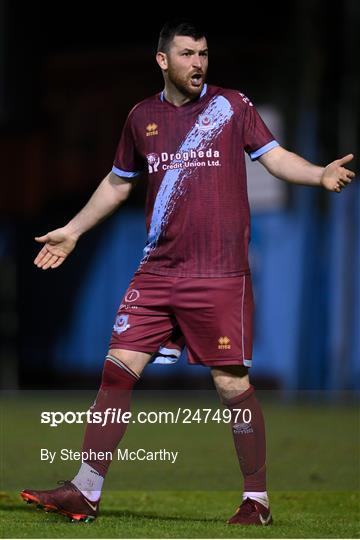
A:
(213, 314)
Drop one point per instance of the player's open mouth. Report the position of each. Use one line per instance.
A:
(196, 79)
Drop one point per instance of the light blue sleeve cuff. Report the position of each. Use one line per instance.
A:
(260, 151)
(125, 174)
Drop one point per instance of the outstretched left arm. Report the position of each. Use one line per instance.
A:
(293, 168)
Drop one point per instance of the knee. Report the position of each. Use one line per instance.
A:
(230, 381)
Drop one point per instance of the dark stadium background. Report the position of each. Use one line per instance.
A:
(69, 73)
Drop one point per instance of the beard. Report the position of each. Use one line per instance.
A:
(190, 87)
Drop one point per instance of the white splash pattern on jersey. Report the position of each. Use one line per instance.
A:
(173, 184)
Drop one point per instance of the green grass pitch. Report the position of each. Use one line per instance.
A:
(170, 514)
(313, 464)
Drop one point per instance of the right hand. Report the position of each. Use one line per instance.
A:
(58, 245)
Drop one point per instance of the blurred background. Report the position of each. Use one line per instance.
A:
(69, 74)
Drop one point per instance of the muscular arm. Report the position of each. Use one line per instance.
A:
(295, 169)
(58, 244)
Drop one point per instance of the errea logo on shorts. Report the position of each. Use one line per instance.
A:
(224, 343)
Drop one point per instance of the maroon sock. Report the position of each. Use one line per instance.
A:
(114, 393)
(249, 439)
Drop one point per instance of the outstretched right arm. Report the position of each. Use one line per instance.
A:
(58, 244)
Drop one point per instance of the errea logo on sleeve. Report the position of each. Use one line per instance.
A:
(151, 130)
(246, 100)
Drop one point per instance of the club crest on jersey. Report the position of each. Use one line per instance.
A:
(205, 122)
(121, 323)
(153, 162)
(151, 130)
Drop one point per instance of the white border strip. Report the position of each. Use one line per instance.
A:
(260, 151)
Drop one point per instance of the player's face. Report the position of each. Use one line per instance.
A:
(187, 64)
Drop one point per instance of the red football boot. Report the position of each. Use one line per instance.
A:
(66, 500)
(251, 512)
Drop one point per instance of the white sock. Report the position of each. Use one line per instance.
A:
(259, 496)
(93, 496)
(89, 482)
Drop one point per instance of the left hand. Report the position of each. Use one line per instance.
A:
(335, 177)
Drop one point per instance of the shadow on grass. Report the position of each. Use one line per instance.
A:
(142, 515)
(125, 514)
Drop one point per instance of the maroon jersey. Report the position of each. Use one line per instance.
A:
(197, 210)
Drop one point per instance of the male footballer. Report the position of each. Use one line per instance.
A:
(193, 282)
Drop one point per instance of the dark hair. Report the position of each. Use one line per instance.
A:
(178, 28)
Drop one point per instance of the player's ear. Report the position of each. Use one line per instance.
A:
(161, 59)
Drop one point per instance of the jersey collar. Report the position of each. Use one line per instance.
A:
(203, 92)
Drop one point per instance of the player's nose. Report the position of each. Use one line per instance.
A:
(197, 61)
